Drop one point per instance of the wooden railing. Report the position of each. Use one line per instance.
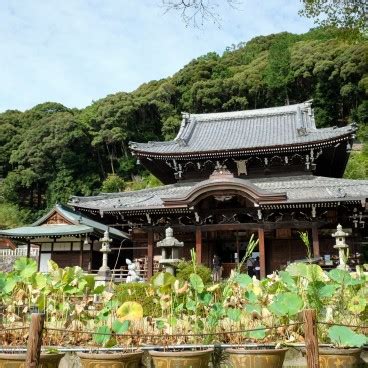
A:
(19, 252)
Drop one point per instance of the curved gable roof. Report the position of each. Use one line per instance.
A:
(252, 130)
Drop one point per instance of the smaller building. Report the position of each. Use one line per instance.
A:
(66, 237)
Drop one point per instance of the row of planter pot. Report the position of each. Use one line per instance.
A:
(179, 358)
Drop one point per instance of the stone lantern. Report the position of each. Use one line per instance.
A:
(104, 271)
(170, 251)
(343, 248)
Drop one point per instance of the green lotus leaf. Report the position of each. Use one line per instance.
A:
(259, 333)
(287, 280)
(327, 291)
(190, 304)
(196, 282)
(26, 267)
(286, 304)
(342, 336)
(120, 327)
(243, 280)
(340, 276)
(102, 335)
(234, 314)
(40, 280)
(297, 269)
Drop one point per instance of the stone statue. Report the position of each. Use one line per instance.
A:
(132, 272)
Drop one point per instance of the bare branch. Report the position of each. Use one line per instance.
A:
(196, 12)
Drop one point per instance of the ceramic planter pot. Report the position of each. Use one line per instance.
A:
(10, 360)
(181, 359)
(347, 358)
(111, 360)
(257, 358)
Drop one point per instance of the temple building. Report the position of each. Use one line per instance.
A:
(268, 172)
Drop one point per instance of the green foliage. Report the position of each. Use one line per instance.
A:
(342, 336)
(140, 293)
(50, 152)
(12, 216)
(357, 167)
(185, 269)
(349, 15)
(286, 304)
(113, 183)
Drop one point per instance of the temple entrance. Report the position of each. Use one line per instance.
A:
(230, 247)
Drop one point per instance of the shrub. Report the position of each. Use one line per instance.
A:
(185, 268)
(141, 293)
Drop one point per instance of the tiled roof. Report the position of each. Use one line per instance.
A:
(298, 189)
(80, 219)
(245, 130)
(46, 230)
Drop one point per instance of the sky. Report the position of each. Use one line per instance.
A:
(77, 51)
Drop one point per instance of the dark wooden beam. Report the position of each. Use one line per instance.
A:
(315, 240)
(149, 253)
(262, 253)
(28, 248)
(81, 254)
(198, 237)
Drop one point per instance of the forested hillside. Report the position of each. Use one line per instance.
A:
(51, 152)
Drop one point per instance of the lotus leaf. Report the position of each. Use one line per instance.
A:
(26, 267)
(9, 285)
(357, 304)
(196, 282)
(234, 314)
(163, 281)
(251, 297)
(342, 336)
(102, 335)
(131, 311)
(120, 327)
(327, 291)
(286, 304)
(253, 308)
(40, 280)
(287, 280)
(258, 333)
(340, 276)
(190, 304)
(243, 280)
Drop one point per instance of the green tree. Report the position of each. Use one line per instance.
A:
(350, 14)
(113, 183)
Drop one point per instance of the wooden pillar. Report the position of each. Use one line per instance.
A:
(34, 340)
(311, 339)
(262, 252)
(81, 254)
(198, 244)
(28, 248)
(237, 247)
(315, 240)
(149, 253)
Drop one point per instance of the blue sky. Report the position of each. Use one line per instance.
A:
(77, 51)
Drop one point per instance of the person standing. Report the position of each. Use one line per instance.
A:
(216, 268)
(257, 268)
(250, 266)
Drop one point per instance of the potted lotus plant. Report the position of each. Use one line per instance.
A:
(339, 298)
(19, 294)
(112, 323)
(182, 320)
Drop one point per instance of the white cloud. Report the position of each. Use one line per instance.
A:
(76, 51)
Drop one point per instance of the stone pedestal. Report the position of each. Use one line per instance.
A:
(342, 247)
(170, 251)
